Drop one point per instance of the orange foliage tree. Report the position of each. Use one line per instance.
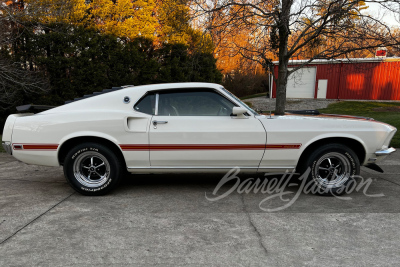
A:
(288, 29)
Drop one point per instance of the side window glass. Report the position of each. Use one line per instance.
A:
(146, 104)
(194, 103)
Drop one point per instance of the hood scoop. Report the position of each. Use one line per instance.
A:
(304, 112)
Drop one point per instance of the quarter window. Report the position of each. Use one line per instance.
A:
(146, 104)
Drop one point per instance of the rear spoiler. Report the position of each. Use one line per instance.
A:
(32, 108)
(98, 93)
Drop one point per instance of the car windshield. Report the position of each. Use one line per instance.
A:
(241, 102)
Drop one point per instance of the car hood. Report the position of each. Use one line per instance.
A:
(343, 119)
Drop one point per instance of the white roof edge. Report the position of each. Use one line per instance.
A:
(341, 60)
(180, 85)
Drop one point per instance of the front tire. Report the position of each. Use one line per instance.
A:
(92, 169)
(332, 169)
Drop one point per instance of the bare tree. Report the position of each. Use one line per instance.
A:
(16, 82)
(16, 78)
(297, 29)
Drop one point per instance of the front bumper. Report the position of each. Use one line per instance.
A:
(7, 147)
(385, 152)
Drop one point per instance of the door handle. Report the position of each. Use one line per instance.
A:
(158, 122)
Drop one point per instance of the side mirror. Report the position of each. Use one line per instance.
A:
(238, 111)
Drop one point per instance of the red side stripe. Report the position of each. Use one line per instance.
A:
(36, 146)
(159, 147)
(134, 147)
(283, 146)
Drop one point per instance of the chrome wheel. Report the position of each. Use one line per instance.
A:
(91, 169)
(332, 170)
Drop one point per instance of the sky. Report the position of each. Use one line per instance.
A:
(387, 16)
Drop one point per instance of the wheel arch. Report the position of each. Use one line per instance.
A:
(351, 143)
(73, 141)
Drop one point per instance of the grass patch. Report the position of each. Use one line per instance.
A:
(253, 96)
(380, 111)
(292, 101)
(1, 147)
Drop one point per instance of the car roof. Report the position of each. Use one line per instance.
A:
(151, 87)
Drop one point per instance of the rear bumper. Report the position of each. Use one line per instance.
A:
(385, 152)
(7, 147)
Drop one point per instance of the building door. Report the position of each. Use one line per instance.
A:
(322, 88)
(301, 83)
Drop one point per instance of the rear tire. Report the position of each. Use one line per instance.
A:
(92, 169)
(332, 169)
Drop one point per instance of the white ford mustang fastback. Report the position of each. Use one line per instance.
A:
(190, 127)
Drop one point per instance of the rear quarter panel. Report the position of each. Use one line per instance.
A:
(55, 129)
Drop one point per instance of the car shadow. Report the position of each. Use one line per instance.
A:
(207, 193)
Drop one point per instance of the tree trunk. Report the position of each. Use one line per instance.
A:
(283, 26)
(281, 88)
(48, 49)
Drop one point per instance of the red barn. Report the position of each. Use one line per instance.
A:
(363, 78)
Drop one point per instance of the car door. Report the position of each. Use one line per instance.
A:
(193, 128)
